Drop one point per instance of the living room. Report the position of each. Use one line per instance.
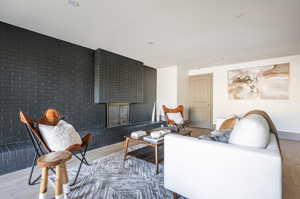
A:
(149, 99)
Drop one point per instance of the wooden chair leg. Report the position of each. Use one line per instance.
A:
(58, 183)
(156, 159)
(126, 149)
(44, 183)
(175, 195)
(65, 180)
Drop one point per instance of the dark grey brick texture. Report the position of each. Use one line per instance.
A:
(39, 72)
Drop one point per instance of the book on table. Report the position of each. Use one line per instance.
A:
(138, 134)
(153, 140)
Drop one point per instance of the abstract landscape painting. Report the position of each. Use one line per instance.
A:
(261, 82)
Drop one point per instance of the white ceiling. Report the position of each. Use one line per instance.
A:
(189, 33)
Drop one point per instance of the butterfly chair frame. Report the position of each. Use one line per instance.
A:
(51, 117)
(178, 109)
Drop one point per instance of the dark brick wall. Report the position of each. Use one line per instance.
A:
(143, 111)
(38, 72)
(117, 78)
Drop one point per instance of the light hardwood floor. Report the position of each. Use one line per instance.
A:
(14, 185)
(291, 168)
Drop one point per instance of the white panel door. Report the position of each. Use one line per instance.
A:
(200, 97)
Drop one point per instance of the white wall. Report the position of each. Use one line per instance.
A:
(183, 90)
(166, 87)
(172, 88)
(284, 113)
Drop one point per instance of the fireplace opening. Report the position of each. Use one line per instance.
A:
(117, 114)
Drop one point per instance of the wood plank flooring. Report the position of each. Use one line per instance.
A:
(14, 185)
(291, 168)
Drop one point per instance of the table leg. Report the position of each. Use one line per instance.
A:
(175, 196)
(65, 180)
(126, 148)
(58, 183)
(156, 158)
(44, 183)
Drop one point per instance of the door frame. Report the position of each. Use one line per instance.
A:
(210, 75)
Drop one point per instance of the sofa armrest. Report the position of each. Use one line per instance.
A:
(204, 169)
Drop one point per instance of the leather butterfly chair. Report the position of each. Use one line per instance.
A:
(179, 109)
(51, 117)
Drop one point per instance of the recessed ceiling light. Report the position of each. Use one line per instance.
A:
(73, 3)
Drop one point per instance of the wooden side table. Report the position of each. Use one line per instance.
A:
(153, 153)
(58, 160)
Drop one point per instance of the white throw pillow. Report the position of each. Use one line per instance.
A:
(176, 117)
(61, 136)
(252, 131)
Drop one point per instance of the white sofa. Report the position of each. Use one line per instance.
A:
(201, 169)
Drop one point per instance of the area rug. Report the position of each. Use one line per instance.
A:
(112, 178)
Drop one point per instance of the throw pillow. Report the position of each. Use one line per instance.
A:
(220, 132)
(176, 117)
(216, 138)
(252, 130)
(61, 136)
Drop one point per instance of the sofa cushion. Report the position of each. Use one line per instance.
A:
(252, 130)
(61, 136)
(217, 136)
(176, 117)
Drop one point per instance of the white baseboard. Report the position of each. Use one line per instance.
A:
(289, 135)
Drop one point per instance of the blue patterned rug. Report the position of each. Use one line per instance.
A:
(111, 178)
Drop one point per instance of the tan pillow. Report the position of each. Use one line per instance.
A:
(228, 124)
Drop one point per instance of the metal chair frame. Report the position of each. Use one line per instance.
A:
(38, 153)
(41, 148)
(178, 109)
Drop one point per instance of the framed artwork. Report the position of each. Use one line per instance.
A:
(261, 82)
